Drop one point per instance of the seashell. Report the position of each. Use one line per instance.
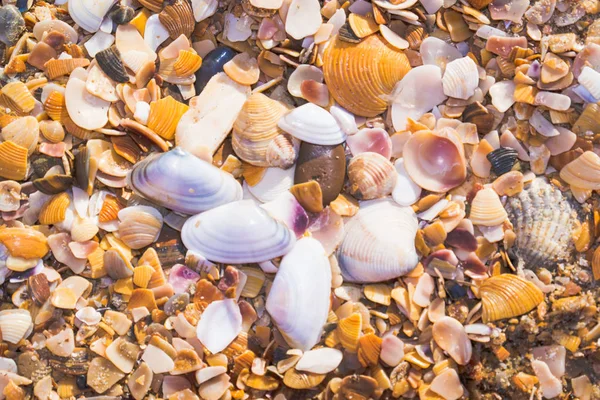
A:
(243, 69)
(55, 209)
(226, 315)
(477, 114)
(53, 184)
(121, 14)
(113, 164)
(12, 25)
(55, 106)
(60, 67)
(450, 335)
(24, 132)
(479, 4)
(139, 226)
(588, 120)
(348, 331)
(24, 242)
(273, 183)
(165, 115)
(117, 265)
(312, 124)
(18, 97)
(164, 179)
(324, 164)
(102, 374)
(386, 251)
(393, 38)
(178, 18)
(372, 60)
(437, 52)
(127, 148)
(288, 210)
(231, 234)
(127, 38)
(309, 195)
(435, 160)
(362, 25)
(52, 131)
(187, 63)
(583, 172)
(486, 208)
(502, 159)
(123, 354)
(302, 380)
(375, 140)
(255, 129)
(139, 382)
(109, 60)
(142, 275)
(10, 196)
(507, 296)
(456, 25)
(371, 176)
(15, 325)
(86, 110)
(544, 222)
(142, 298)
(319, 361)
(303, 19)
(88, 14)
(554, 68)
(369, 349)
(502, 94)
(302, 324)
(461, 78)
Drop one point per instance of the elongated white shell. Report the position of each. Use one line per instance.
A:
(237, 233)
(86, 110)
(15, 324)
(379, 242)
(299, 298)
(182, 182)
(89, 14)
(313, 124)
(219, 324)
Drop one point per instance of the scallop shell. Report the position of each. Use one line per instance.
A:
(165, 115)
(302, 380)
(348, 331)
(88, 14)
(166, 180)
(60, 67)
(502, 159)
(486, 208)
(371, 176)
(374, 252)
(461, 78)
(55, 209)
(583, 172)
(313, 124)
(24, 132)
(18, 97)
(55, 106)
(508, 296)
(187, 63)
(299, 298)
(544, 221)
(362, 25)
(360, 75)
(237, 233)
(435, 160)
(15, 324)
(13, 161)
(178, 18)
(109, 60)
(139, 226)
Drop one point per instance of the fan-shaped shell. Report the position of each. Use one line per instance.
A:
(360, 75)
(178, 18)
(237, 233)
(435, 160)
(55, 209)
(55, 106)
(167, 180)
(374, 251)
(52, 131)
(507, 296)
(313, 124)
(544, 222)
(15, 324)
(165, 115)
(371, 176)
(187, 63)
(299, 298)
(13, 161)
(18, 96)
(486, 208)
(583, 172)
(461, 78)
(23, 131)
(139, 226)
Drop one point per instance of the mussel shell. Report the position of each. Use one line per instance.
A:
(347, 35)
(121, 14)
(502, 160)
(212, 64)
(53, 184)
(109, 60)
(479, 115)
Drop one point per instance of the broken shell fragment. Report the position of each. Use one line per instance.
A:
(224, 314)
(450, 335)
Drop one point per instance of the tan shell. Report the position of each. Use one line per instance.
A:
(24, 242)
(142, 275)
(150, 257)
(187, 63)
(18, 97)
(302, 380)
(24, 132)
(348, 331)
(486, 208)
(178, 18)
(52, 131)
(55, 209)
(359, 76)
(371, 176)
(507, 296)
(362, 25)
(583, 172)
(243, 69)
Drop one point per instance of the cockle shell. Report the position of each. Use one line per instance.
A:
(508, 296)
(23, 131)
(435, 160)
(544, 221)
(165, 115)
(349, 66)
(88, 14)
(236, 233)
(139, 226)
(299, 298)
(178, 18)
(461, 78)
(372, 251)
(371, 176)
(313, 124)
(583, 172)
(18, 97)
(166, 180)
(15, 324)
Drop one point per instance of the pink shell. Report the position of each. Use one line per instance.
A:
(181, 278)
(374, 140)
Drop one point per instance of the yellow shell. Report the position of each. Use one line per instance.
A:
(52, 131)
(142, 275)
(96, 260)
(142, 298)
(302, 380)
(378, 293)
(187, 63)
(359, 76)
(309, 195)
(243, 69)
(255, 128)
(264, 382)
(589, 120)
(369, 348)
(24, 242)
(486, 208)
(243, 361)
(63, 297)
(187, 360)
(507, 296)
(583, 172)
(525, 94)
(363, 25)
(254, 283)
(83, 229)
(55, 209)
(110, 209)
(23, 131)
(13, 392)
(150, 257)
(178, 18)
(18, 97)
(56, 68)
(55, 106)
(348, 331)
(165, 115)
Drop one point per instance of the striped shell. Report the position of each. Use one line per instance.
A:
(486, 208)
(583, 172)
(507, 296)
(18, 97)
(57, 68)
(13, 161)
(178, 18)
(139, 226)
(165, 115)
(23, 131)
(55, 209)
(371, 176)
(15, 325)
(187, 63)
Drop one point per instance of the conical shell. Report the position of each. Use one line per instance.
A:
(372, 251)
(24, 242)
(15, 325)
(507, 296)
(237, 233)
(178, 18)
(256, 127)
(55, 209)
(187, 63)
(64, 66)
(165, 115)
(299, 298)
(486, 208)
(583, 172)
(23, 131)
(544, 222)
(359, 76)
(18, 97)
(371, 176)
(313, 124)
(139, 226)
(348, 331)
(13, 161)
(166, 180)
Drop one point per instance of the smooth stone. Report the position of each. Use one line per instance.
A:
(211, 65)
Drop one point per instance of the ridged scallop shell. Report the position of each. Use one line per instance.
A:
(109, 60)
(23, 131)
(166, 180)
(55, 106)
(372, 251)
(255, 129)
(13, 161)
(139, 226)
(348, 331)
(55, 209)
(313, 124)
(583, 172)
(544, 221)
(165, 115)
(360, 75)
(461, 78)
(371, 176)
(64, 66)
(15, 324)
(362, 25)
(178, 18)
(237, 233)
(88, 14)
(508, 296)
(187, 63)
(486, 208)
(299, 298)
(152, 5)
(18, 97)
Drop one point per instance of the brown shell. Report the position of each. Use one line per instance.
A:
(359, 76)
(152, 5)
(302, 380)
(369, 348)
(18, 97)
(56, 68)
(55, 209)
(13, 161)
(24, 242)
(309, 195)
(165, 115)
(178, 18)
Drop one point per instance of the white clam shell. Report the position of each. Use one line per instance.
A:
(320, 361)
(274, 182)
(287, 209)
(182, 182)
(461, 78)
(312, 124)
(503, 95)
(299, 298)
(219, 324)
(303, 18)
(406, 192)
(86, 110)
(15, 324)
(88, 14)
(100, 41)
(379, 242)
(237, 233)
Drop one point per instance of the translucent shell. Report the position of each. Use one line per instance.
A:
(18, 97)
(165, 115)
(55, 209)
(507, 296)
(486, 208)
(360, 75)
(13, 161)
(583, 172)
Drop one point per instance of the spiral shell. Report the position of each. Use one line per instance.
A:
(371, 176)
(139, 226)
(583, 172)
(359, 76)
(507, 296)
